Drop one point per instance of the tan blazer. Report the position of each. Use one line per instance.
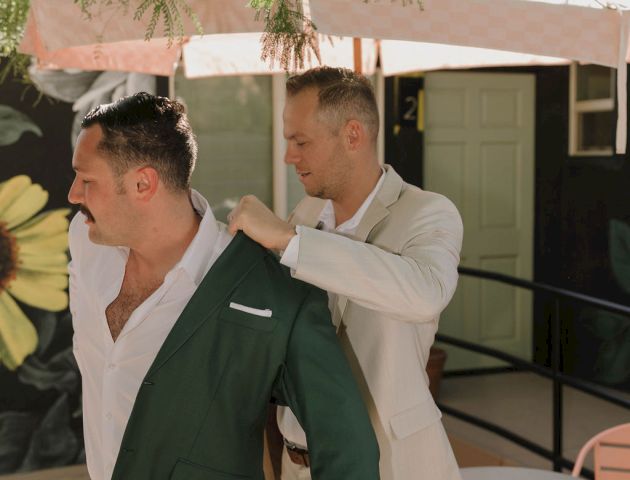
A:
(390, 291)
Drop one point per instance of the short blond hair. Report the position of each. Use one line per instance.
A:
(343, 95)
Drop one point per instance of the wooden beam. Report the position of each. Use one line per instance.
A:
(358, 57)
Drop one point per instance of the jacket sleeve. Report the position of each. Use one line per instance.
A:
(318, 385)
(415, 284)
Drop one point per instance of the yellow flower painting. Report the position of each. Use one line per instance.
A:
(33, 264)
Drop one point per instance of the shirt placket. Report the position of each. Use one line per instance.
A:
(109, 402)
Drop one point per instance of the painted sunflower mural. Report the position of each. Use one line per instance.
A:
(33, 264)
(40, 385)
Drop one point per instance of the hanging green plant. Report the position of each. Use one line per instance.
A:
(13, 15)
(419, 3)
(169, 13)
(289, 36)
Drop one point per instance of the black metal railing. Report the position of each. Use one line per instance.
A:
(558, 378)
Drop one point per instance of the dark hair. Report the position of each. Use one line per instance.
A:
(147, 130)
(343, 95)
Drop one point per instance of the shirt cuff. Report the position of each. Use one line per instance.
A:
(290, 256)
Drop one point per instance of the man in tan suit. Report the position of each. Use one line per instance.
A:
(387, 253)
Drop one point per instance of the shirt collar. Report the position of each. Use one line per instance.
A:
(199, 253)
(327, 216)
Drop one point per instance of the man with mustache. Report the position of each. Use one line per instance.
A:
(387, 253)
(183, 334)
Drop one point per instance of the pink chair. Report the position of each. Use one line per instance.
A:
(611, 454)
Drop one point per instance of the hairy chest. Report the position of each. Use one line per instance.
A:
(132, 294)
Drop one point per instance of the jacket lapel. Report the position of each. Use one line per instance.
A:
(309, 209)
(307, 212)
(240, 256)
(379, 208)
(377, 211)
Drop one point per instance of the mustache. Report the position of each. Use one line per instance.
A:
(85, 211)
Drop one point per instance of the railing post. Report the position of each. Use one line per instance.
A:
(556, 360)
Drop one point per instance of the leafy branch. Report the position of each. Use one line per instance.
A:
(289, 36)
(168, 12)
(13, 14)
(419, 3)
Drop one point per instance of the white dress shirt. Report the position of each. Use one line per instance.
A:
(287, 422)
(113, 371)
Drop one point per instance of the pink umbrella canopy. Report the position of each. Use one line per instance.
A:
(526, 31)
(532, 27)
(60, 36)
(584, 30)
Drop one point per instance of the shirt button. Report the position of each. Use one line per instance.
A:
(111, 366)
(108, 415)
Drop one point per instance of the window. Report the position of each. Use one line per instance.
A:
(591, 110)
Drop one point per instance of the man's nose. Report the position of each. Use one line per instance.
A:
(290, 157)
(75, 194)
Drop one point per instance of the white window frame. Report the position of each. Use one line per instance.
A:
(576, 107)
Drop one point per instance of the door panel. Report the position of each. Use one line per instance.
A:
(479, 152)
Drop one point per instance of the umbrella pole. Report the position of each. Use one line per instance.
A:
(358, 57)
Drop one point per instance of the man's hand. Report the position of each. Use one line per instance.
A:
(260, 224)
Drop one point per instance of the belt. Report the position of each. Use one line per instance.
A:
(298, 455)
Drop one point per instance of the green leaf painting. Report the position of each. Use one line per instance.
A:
(13, 124)
(620, 252)
(612, 331)
(612, 365)
(52, 443)
(15, 436)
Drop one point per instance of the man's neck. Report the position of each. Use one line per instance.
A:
(164, 242)
(347, 204)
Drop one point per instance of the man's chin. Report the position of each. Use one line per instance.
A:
(94, 235)
(312, 192)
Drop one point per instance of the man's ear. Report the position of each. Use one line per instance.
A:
(146, 182)
(354, 134)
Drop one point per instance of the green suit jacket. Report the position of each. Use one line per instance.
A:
(201, 409)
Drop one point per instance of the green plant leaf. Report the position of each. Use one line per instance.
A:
(13, 14)
(613, 360)
(619, 240)
(13, 124)
(60, 373)
(15, 432)
(53, 443)
(604, 325)
(612, 333)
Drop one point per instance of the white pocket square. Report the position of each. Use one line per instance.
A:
(254, 311)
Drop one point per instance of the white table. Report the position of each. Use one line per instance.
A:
(511, 473)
